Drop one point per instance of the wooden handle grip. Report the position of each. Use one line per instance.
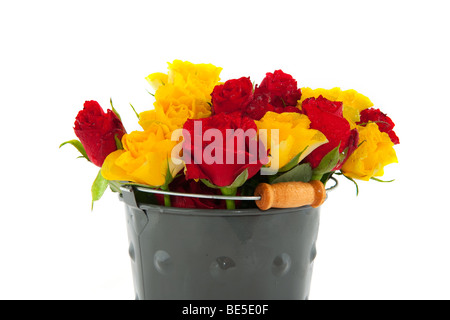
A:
(290, 195)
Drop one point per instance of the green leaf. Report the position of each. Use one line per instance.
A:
(384, 181)
(98, 188)
(114, 110)
(351, 179)
(209, 184)
(328, 162)
(293, 162)
(114, 186)
(302, 173)
(79, 146)
(343, 155)
(238, 182)
(137, 114)
(119, 145)
(326, 177)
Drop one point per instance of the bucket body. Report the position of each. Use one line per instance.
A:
(189, 254)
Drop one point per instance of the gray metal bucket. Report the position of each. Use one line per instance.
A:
(188, 254)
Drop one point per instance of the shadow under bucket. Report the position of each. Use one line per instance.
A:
(190, 254)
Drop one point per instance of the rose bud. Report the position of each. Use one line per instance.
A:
(98, 131)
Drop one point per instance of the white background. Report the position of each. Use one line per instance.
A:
(391, 242)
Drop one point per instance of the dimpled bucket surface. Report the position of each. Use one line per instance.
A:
(188, 254)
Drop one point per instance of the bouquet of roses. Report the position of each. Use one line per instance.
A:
(208, 137)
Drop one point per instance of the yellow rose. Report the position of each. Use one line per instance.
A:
(376, 150)
(157, 79)
(146, 157)
(184, 71)
(294, 135)
(174, 118)
(179, 98)
(185, 92)
(353, 102)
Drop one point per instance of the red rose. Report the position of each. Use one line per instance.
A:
(258, 107)
(180, 184)
(385, 124)
(326, 116)
(278, 92)
(233, 95)
(212, 151)
(96, 131)
(281, 89)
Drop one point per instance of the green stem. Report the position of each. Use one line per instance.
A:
(231, 205)
(316, 176)
(167, 202)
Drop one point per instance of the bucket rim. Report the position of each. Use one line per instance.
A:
(224, 212)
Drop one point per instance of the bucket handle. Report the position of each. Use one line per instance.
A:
(257, 198)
